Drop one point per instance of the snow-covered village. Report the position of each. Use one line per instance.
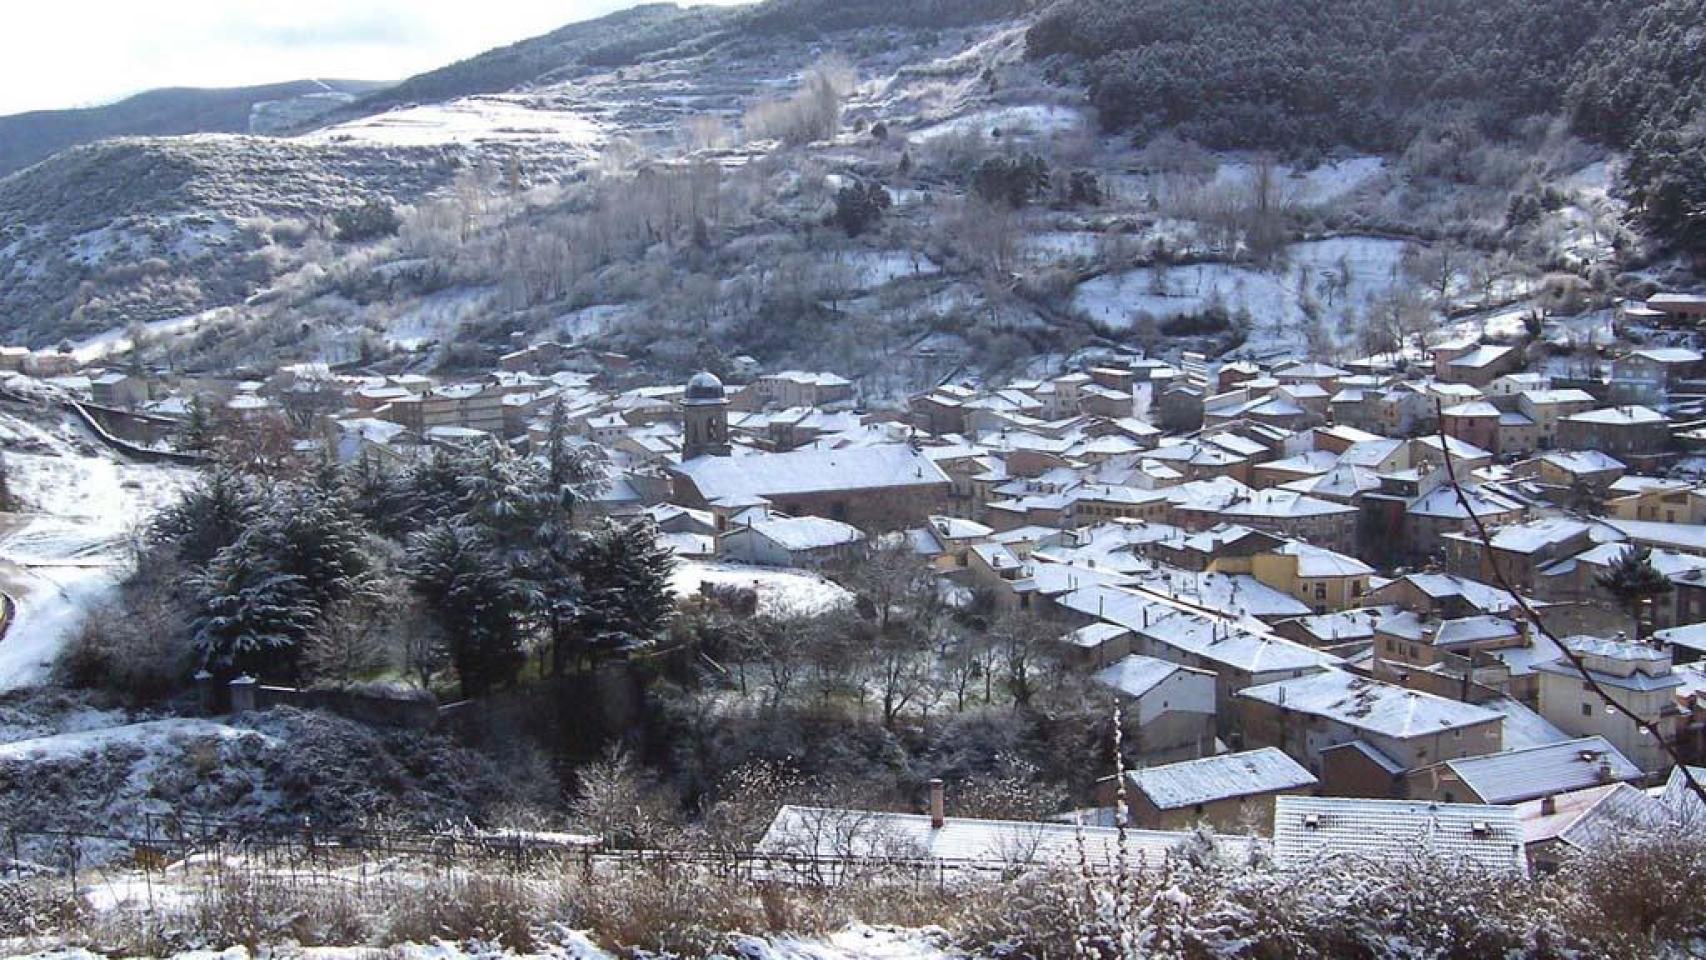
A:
(806, 480)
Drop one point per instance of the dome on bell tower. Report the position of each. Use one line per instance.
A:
(705, 388)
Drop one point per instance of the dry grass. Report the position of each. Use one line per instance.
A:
(1639, 898)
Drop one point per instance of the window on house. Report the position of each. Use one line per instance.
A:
(1587, 709)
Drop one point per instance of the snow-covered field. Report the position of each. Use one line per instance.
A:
(868, 269)
(470, 120)
(60, 556)
(1340, 275)
(1321, 185)
(779, 591)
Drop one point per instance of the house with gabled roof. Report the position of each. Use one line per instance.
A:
(1515, 776)
(1167, 708)
(1232, 792)
(1308, 715)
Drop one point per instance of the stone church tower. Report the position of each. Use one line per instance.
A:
(705, 418)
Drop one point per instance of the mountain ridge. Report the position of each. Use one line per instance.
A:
(30, 137)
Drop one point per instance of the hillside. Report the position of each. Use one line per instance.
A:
(639, 30)
(1305, 76)
(28, 138)
(667, 183)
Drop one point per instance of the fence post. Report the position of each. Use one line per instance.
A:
(147, 868)
(71, 851)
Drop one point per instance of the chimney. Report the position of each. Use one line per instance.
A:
(1548, 805)
(938, 805)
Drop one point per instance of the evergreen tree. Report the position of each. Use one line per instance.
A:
(198, 434)
(381, 497)
(1632, 581)
(300, 551)
(570, 473)
(208, 518)
(432, 489)
(251, 616)
(322, 541)
(625, 576)
(452, 573)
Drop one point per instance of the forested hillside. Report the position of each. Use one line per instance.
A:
(1310, 75)
(1641, 85)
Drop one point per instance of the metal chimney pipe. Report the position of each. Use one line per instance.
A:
(938, 805)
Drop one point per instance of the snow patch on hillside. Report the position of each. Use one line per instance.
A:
(1033, 119)
(1340, 275)
(473, 120)
(148, 735)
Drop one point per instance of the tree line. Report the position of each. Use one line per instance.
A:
(456, 567)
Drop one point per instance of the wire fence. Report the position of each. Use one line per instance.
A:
(169, 856)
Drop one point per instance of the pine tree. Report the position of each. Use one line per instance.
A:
(452, 573)
(199, 433)
(1632, 581)
(251, 616)
(625, 576)
(571, 474)
(208, 518)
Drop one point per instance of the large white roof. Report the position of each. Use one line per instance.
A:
(1370, 705)
(812, 471)
(831, 834)
(1311, 830)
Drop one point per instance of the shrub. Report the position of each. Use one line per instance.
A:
(1011, 182)
(372, 220)
(859, 206)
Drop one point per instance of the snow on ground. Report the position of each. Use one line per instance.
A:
(62, 555)
(1323, 184)
(485, 119)
(148, 734)
(435, 317)
(856, 942)
(868, 269)
(1060, 246)
(117, 340)
(1341, 274)
(1037, 119)
(594, 321)
(780, 592)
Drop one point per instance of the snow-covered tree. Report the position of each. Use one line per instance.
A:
(625, 576)
(209, 517)
(451, 571)
(252, 616)
(1633, 581)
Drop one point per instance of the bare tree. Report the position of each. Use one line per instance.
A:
(623, 804)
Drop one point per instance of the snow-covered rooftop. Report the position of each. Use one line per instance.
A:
(1193, 782)
(1370, 705)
